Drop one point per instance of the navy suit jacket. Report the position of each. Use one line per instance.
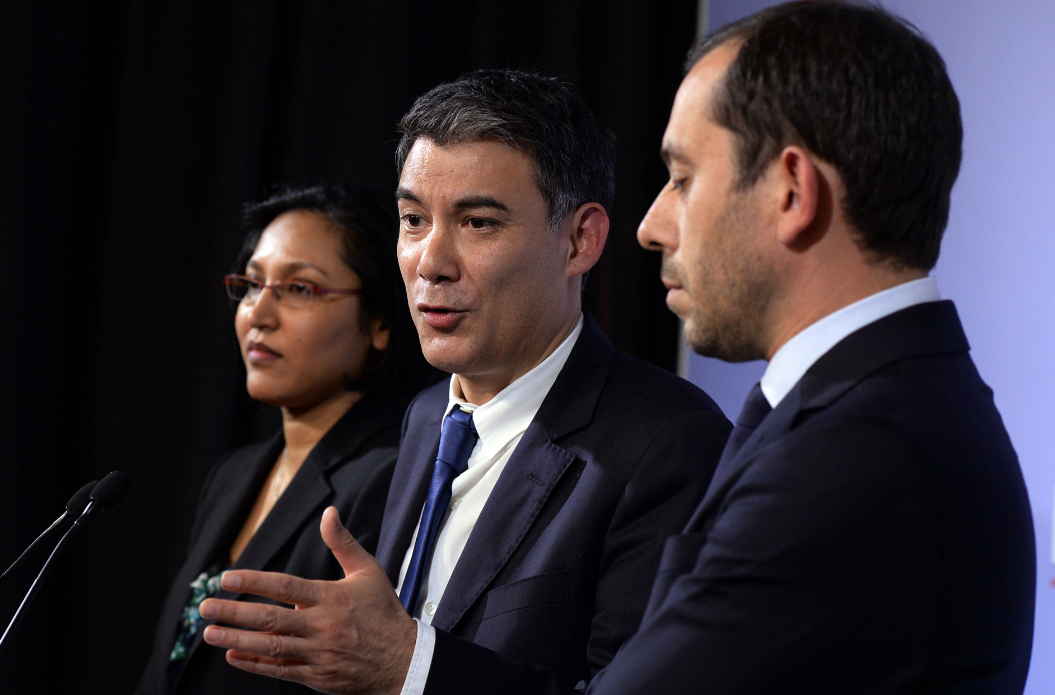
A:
(873, 535)
(558, 567)
(350, 468)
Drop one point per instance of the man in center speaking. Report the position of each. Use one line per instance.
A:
(535, 490)
(571, 462)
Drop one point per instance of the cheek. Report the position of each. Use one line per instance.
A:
(407, 257)
(337, 345)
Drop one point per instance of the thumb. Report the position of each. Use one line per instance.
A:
(349, 554)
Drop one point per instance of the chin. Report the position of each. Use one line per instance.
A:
(445, 356)
(729, 344)
(267, 397)
(266, 390)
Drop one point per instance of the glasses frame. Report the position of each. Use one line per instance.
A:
(316, 291)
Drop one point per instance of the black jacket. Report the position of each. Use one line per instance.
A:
(873, 535)
(558, 567)
(350, 468)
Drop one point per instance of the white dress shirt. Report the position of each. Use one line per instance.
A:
(795, 357)
(501, 423)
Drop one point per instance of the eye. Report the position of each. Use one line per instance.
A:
(411, 220)
(480, 223)
(678, 183)
(300, 289)
(252, 284)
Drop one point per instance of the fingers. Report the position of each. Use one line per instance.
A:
(286, 669)
(272, 647)
(344, 547)
(255, 616)
(281, 587)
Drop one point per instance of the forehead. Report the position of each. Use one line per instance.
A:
(300, 235)
(477, 167)
(691, 125)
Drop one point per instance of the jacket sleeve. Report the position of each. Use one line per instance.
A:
(813, 573)
(667, 484)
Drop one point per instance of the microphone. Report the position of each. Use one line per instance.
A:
(74, 508)
(103, 496)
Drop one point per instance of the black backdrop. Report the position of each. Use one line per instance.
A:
(131, 133)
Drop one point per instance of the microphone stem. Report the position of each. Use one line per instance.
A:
(43, 570)
(33, 545)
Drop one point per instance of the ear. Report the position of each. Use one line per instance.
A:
(586, 234)
(797, 182)
(380, 334)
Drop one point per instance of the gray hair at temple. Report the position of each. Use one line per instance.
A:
(540, 116)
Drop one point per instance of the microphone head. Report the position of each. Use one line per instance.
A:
(109, 491)
(80, 499)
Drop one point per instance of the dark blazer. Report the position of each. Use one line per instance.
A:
(872, 535)
(558, 567)
(350, 468)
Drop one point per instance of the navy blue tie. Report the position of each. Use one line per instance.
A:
(755, 409)
(457, 440)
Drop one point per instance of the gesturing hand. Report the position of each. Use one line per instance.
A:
(346, 636)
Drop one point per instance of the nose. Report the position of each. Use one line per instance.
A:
(263, 313)
(438, 261)
(658, 230)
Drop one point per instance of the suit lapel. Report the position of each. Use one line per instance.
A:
(306, 493)
(529, 476)
(225, 515)
(227, 510)
(410, 483)
(310, 488)
(302, 500)
(775, 425)
(524, 486)
(932, 328)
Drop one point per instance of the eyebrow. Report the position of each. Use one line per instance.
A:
(670, 152)
(479, 201)
(466, 203)
(291, 267)
(405, 194)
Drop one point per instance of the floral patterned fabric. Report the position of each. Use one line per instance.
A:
(207, 584)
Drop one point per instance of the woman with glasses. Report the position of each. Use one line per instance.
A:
(325, 334)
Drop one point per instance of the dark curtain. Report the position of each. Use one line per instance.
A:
(131, 133)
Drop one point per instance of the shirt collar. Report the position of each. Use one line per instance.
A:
(796, 356)
(507, 415)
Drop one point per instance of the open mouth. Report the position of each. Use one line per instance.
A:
(440, 316)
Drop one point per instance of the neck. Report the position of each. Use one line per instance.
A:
(818, 296)
(304, 427)
(481, 388)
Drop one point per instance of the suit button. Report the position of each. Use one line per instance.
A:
(430, 609)
(456, 503)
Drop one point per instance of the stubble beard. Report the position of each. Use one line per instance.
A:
(733, 291)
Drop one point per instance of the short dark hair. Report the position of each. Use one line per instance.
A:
(540, 116)
(369, 226)
(861, 89)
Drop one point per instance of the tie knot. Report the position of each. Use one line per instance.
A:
(457, 440)
(463, 417)
(755, 409)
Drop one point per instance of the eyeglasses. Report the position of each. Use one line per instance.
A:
(290, 293)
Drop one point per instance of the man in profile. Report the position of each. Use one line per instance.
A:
(867, 529)
(534, 523)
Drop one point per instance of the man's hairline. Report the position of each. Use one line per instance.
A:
(552, 224)
(872, 257)
(742, 185)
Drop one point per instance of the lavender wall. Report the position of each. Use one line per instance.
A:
(998, 257)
